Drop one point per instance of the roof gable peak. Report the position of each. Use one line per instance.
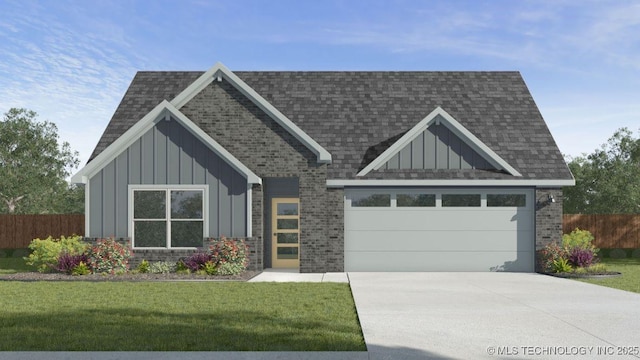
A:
(219, 72)
(440, 117)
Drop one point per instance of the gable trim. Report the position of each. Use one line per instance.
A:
(220, 72)
(454, 126)
(162, 111)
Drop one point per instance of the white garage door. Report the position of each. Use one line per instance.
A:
(439, 230)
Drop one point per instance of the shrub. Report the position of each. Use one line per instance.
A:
(162, 267)
(581, 239)
(81, 269)
(197, 260)
(230, 251)
(228, 268)
(581, 257)
(143, 268)
(550, 254)
(109, 256)
(181, 267)
(561, 266)
(597, 269)
(45, 253)
(636, 254)
(68, 262)
(210, 268)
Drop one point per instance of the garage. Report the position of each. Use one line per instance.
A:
(439, 229)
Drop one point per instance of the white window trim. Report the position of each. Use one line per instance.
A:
(438, 192)
(168, 189)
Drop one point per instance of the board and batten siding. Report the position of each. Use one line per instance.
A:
(167, 154)
(437, 148)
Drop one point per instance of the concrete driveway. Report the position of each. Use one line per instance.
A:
(494, 316)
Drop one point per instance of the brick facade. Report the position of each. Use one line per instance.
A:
(548, 217)
(269, 150)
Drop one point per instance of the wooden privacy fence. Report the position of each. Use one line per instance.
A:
(617, 231)
(17, 231)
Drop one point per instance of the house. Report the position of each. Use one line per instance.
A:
(331, 171)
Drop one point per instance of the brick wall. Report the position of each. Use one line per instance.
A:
(270, 151)
(548, 217)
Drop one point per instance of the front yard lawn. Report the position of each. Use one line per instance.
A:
(178, 316)
(630, 279)
(14, 265)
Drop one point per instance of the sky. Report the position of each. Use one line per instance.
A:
(72, 61)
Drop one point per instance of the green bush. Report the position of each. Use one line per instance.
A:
(109, 256)
(582, 239)
(143, 268)
(597, 269)
(44, 253)
(210, 268)
(228, 268)
(636, 254)
(561, 266)
(162, 267)
(81, 269)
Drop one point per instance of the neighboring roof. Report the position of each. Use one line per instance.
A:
(356, 116)
(164, 110)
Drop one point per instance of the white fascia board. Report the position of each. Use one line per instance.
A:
(445, 182)
(453, 125)
(145, 124)
(219, 71)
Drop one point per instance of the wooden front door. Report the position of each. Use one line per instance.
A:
(285, 240)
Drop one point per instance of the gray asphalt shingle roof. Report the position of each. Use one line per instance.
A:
(354, 114)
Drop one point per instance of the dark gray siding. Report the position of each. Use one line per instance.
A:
(167, 154)
(275, 188)
(437, 148)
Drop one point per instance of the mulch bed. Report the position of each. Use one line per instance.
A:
(36, 276)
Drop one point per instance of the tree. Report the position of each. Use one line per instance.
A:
(33, 165)
(608, 180)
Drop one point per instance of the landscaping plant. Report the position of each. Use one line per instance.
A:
(45, 253)
(109, 256)
(67, 263)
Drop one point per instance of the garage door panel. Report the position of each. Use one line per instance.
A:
(440, 220)
(436, 238)
(520, 261)
(373, 240)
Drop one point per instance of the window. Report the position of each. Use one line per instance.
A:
(168, 217)
(460, 200)
(373, 200)
(504, 200)
(415, 200)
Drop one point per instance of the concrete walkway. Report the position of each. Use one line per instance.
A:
(290, 275)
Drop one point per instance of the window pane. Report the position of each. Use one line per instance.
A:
(287, 253)
(150, 233)
(497, 200)
(287, 223)
(287, 238)
(424, 200)
(461, 200)
(373, 200)
(186, 204)
(187, 234)
(149, 204)
(287, 209)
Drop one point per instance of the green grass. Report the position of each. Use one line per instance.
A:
(630, 279)
(178, 316)
(11, 262)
